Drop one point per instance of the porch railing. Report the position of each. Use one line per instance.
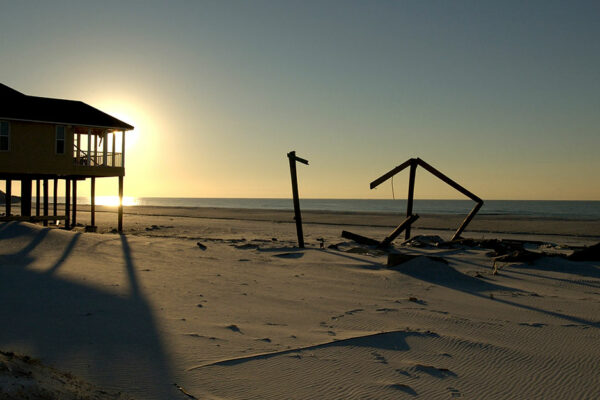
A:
(97, 160)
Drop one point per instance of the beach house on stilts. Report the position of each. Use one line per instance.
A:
(45, 141)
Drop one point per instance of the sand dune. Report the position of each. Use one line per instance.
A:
(252, 317)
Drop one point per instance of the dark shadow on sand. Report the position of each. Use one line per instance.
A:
(108, 338)
(395, 340)
(445, 275)
(65, 254)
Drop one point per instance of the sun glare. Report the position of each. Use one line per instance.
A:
(113, 201)
(130, 114)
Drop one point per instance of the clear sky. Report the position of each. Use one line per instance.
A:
(502, 96)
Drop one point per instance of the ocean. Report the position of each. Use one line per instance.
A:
(533, 208)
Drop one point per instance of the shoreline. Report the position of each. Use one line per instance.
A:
(562, 230)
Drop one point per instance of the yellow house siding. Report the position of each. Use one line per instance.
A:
(33, 151)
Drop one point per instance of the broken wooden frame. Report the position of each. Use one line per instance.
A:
(413, 163)
(297, 215)
(385, 242)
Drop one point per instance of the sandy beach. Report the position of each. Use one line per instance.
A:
(247, 315)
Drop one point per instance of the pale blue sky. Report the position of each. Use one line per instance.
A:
(502, 96)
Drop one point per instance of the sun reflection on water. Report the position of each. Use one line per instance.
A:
(113, 201)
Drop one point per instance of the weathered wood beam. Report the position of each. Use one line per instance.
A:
(447, 180)
(296, 198)
(403, 226)
(360, 239)
(411, 195)
(467, 220)
(393, 172)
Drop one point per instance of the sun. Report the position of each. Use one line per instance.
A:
(128, 113)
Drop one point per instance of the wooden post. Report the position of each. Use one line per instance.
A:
(37, 197)
(120, 210)
(78, 149)
(411, 194)
(123, 149)
(89, 147)
(104, 148)
(74, 220)
(114, 149)
(8, 197)
(95, 149)
(26, 197)
(45, 201)
(297, 214)
(93, 201)
(68, 203)
(55, 199)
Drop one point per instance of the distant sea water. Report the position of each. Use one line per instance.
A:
(528, 208)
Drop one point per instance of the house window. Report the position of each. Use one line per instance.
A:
(60, 140)
(4, 136)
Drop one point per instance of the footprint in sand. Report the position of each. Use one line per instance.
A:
(386, 310)
(533, 324)
(352, 312)
(289, 255)
(403, 372)
(404, 388)
(234, 328)
(246, 246)
(434, 371)
(380, 359)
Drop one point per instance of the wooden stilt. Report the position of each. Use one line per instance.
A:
(74, 219)
(67, 203)
(93, 201)
(411, 194)
(26, 197)
(8, 197)
(45, 183)
(297, 214)
(37, 198)
(55, 198)
(120, 210)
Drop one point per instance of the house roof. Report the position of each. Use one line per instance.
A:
(15, 105)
